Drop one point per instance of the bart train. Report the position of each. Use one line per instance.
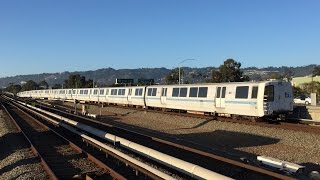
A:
(247, 99)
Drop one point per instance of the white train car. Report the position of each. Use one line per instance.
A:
(254, 99)
(136, 96)
(62, 94)
(69, 94)
(95, 95)
(83, 94)
(118, 95)
(183, 97)
(103, 95)
(50, 94)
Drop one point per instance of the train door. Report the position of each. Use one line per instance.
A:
(220, 98)
(130, 95)
(164, 96)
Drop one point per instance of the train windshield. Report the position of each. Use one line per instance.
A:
(269, 93)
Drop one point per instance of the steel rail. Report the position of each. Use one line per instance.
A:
(153, 173)
(45, 165)
(183, 166)
(196, 151)
(76, 148)
(209, 155)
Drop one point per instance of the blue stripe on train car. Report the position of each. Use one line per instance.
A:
(194, 100)
(137, 97)
(204, 100)
(241, 102)
(117, 96)
(152, 98)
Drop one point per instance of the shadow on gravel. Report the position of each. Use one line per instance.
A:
(19, 163)
(198, 125)
(229, 141)
(11, 143)
(220, 142)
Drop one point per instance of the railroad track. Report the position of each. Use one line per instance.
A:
(144, 169)
(61, 158)
(290, 124)
(211, 161)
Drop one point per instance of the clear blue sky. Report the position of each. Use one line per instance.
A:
(67, 35)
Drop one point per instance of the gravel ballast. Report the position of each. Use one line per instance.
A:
(16, 158)
(245, 140)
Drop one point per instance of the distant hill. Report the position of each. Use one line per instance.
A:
(107, 76)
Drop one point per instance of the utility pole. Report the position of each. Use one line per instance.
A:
(180, 67)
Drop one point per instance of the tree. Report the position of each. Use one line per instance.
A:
(57, 86)
(216, 77)
(229, 72)
(30, 85)
(275, 75)
(89, 83)
(77, 81)
(288, 74)
(312, 87)
(173, 76)
(43, 85)
(297, 91)
(316, 71)
(13, 88)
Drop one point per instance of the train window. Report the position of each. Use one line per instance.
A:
(218, 92)
(112, 91)
(164, 92)
(122, 91)
(269, 93)
(73, 91)
(115, 92)
(95, 91)
(85, 91)
(138, 92)
(81, 91)
(101, 91)
(149, 91)
(242, 92)
(223, 94)
(154, 91)
(175, 92)
(254, 93)
(203, 91)
(183, 92)
(193, 92)
(107, 93)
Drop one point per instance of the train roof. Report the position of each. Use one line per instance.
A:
(199, 84)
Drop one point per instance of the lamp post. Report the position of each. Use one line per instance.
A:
(180, 67)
